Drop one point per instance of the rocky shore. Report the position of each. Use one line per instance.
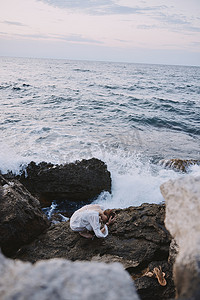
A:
(139, 239)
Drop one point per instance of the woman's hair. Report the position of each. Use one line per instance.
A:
(109, 213)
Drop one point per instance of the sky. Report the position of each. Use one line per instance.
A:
(152, 31)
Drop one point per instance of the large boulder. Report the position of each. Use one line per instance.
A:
(64, 280)
(79, 181)
(21, 219)
(138, 239)
(182, 198)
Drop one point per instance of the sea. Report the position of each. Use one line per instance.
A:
(131, 116)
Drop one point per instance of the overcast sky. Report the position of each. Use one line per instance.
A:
(151, 31)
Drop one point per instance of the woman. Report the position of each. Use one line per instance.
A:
(89, 218)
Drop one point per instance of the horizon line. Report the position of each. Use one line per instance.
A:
(103, 61)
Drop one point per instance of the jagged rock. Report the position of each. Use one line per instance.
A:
(79, 181)
(136, 239)
(62, 279)
(179, 164)
(182, 220)
(21, 219)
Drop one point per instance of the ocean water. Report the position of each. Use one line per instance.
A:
(128, 115)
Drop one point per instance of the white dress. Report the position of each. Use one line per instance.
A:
(87, 218)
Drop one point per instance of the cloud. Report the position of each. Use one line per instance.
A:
(73, 38)
(80, 4)
(101, 7)
(77, 38)
(195, 44)
(13, 23)
(115, 9)
(174, 22)
(148, 27)
(193, 29)
(172, 19)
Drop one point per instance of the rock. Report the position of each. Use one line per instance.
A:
(136, 239)
(179, 164)
(173, 251)
(79, 181)
(62, 279)
(21, 219)
(1, 193)
(107, 258)
(182, 220)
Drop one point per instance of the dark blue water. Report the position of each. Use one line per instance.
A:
(129, 115)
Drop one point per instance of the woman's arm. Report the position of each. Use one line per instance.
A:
(96, 226)
(103, 229)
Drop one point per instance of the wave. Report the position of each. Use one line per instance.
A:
(143, 87)
(53, 99)
(159, 123)
(135, 180)
(5, 86)
(14, 86)
(11, 120)
(81, 70)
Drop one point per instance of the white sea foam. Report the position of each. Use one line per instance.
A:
(10, 160)
(194, 170)
(134, 181)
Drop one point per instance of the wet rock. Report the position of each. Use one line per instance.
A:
(173, 251)
(62, 279)
(79, 181)
(21, 219)
(1, 193)
(136, 239)
(179, 164)
(182, 220)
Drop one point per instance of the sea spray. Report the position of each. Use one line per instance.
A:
(54, 209)
(134, 182)
(135, 179)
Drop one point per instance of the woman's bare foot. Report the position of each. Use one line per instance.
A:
(87, 235)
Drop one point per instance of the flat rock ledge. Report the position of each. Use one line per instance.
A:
(138, 240)
(65, 280)
(182, 198)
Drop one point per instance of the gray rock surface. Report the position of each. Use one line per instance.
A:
(182, 198)
(21, 219)
(64, 280)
